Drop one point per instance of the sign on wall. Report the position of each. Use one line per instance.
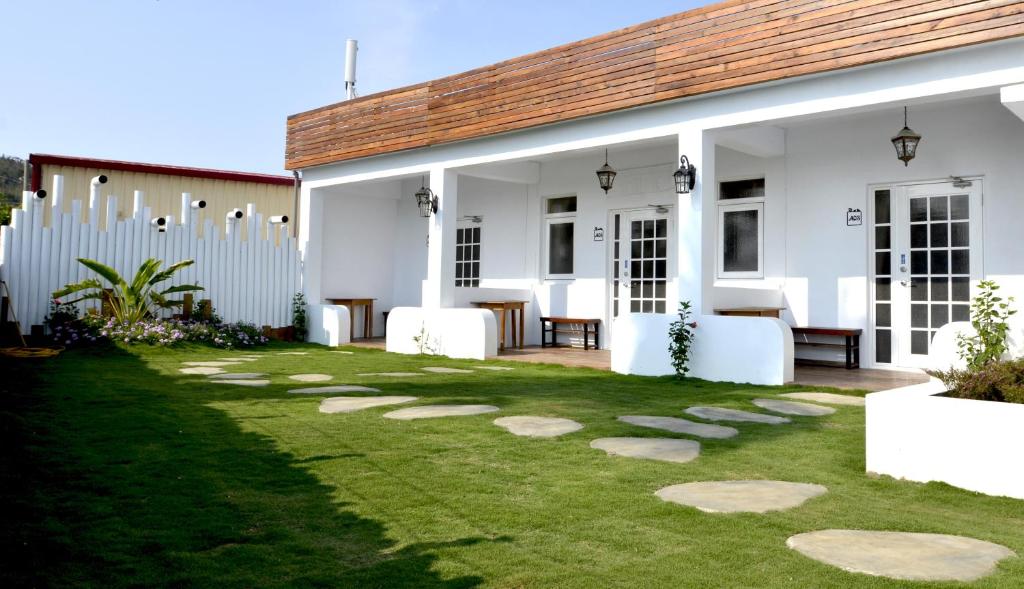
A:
(854, 217)
(598, 233)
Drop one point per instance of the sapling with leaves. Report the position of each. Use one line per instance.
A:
(130, 301)
(680, 339)
(989, 317)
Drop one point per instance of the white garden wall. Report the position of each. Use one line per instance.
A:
(252, 280)
(456, 333)
(916, 435)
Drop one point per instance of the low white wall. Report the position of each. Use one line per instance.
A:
(913, 434)
(457, 333)
(328, 324)
(757, 350)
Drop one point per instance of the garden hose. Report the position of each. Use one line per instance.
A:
(30, 352)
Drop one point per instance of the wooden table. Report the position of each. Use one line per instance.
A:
(752, 312)
(511, 307)
(367, 305)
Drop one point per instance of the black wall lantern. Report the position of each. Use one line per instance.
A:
(606, 174)
(906, 142)
(685, 176)
(426, 200)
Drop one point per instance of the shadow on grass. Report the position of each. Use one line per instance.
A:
(110, 480)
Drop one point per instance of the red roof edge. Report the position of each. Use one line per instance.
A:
(40, 159)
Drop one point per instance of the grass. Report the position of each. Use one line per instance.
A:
(119, 471)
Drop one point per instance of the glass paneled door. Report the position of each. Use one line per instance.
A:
(927, 242)
(640, 252)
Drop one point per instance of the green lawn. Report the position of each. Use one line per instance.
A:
(119, 471)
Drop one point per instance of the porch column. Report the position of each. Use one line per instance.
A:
(311, 208)
(439, 289)
(695, 253)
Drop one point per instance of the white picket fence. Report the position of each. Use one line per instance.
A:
(249, 279)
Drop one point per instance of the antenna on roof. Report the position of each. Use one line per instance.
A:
(351, 47)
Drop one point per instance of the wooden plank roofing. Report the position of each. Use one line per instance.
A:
(718, 47)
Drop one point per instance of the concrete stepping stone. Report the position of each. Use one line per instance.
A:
(341, 352)
(213, 364)
(723, 414)
(311, 377)
(429, 411)
(667, 449)
(240, 359)
(829, 398)
(494, 368)
(250, 382)
(902, 555)
(350, 404)
(538, 427)
(392, 374)
(446, 370)
(681, 426)
(205, 370)
(237, 375)
(293, 353)
(345, 388)
(741, 496)
(794, 407)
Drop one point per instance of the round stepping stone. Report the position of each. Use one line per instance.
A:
(494, 368)
(391, 374)
(723, 414)
(245, 382)
(217, 364)
(207, 370)
(902, 555)
(794, 407)
(311, 377)
(428, 411)
(345, 388)
(830, 398)
(741, 496)
(349, 404)
(667, 449)
(237, 375)
(445, 370)
(538, 427)
(292, 353)
(681, 426)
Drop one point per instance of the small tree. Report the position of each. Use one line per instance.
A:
(680, 339)
(132, 301)
(989, 315)
(299, 323)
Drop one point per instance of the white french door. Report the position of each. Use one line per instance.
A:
(927, 256)
(641, 251)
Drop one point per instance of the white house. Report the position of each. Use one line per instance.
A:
(787, 110)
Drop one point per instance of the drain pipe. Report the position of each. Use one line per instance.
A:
(94, 198)
(298, 190)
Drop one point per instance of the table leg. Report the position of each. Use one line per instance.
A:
(501, 335)
(522, 329)
(369, 320)
(512, 312)
(351, 322)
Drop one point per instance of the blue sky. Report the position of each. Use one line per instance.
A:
(210, 83)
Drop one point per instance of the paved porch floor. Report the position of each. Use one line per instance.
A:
(863, 379)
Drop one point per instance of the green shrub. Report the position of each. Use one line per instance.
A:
(989, 315)
(680, 339)
(299, 317)
(995, 381)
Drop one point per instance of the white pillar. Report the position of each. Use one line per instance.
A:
(439, 288)
(695, 227)
(311, 221)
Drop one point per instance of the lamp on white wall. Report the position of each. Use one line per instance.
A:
(685, 176)
(426, 200)
(906, 142)
(606, 174)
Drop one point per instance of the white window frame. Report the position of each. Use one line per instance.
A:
(470, 225)
(558, 219)
(752, 204)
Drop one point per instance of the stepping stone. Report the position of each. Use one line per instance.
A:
(292, 353)
(341, 352)
(245, 383)
(830, 398)
(391, 374)
(237, 375)
(794, 407)
(538, 427)
(902, 555)
(494, 368)
(428, 411)
(207, 370)
(217, 364)
(446, 370)
(741, 496)
(723, 414)
(311, 377)
(667, 449)
(240, 359)
(681, 426)
(345, 388)
(349, 404)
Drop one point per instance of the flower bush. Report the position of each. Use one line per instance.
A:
(156, 332)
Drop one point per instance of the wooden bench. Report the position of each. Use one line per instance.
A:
(555, 322)
(851, 343)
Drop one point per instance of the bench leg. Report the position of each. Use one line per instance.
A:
(597, 336)
(543, 334)
(586, 337)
